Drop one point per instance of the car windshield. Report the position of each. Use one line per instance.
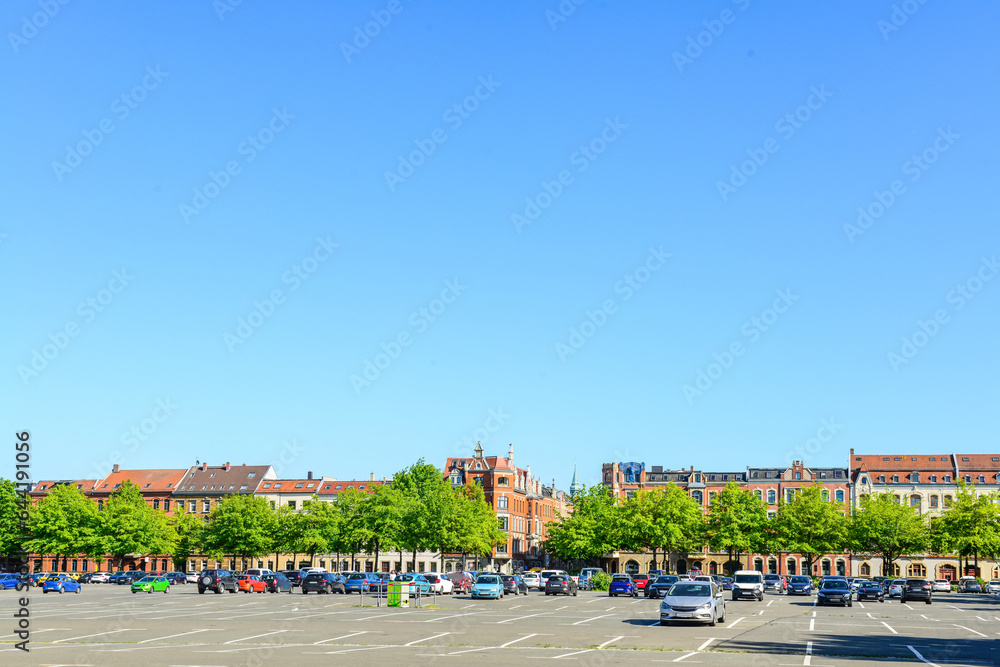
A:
(487, 580)
(147, 579)
(747, 578)
(355, 577)
(315, 576)
(690, 591)
(666, 579)
(641, 576)
(899, 582)
(801, 580)
(834, 584)
(507, 578)
(772, 577)
(620, 577)
(870, 584)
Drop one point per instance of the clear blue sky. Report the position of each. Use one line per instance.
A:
(202, 86)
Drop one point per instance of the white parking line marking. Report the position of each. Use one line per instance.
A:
(427, 639)
(655, 623)
(561, 608)
(353, 634)
(956, 608)
(861, 605)
(984, 620)
(920, 657)
(586, 620)
(146, 641)
(809, 653)
(535, 634)
(611, 641)
(350, 650)
(769, 603)
(735, 622)
(516, 606)
(521, 618)
(441, 618)
(109, 632)
(566, 655)
(970, 630)
(890, 628)
(814, 614)
(236, 641)
(594, 600)
(812, 624)
(686, 655)
(705, 645)
(907, 606)
(487, 648)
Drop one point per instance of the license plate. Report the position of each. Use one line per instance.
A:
(683, 614)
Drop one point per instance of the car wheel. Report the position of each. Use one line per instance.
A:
(150, 591)
(166, 590)
(574, 593)
(61, 591)
(201, 591)
(714, 620)
(217, 591)
(928, 600)
(304, 591)
(722, 619)
(78, 591)
(664, 622)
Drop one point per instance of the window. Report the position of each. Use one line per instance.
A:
(243, 487)
(915, 501)
(866, 570)
(772, 496)
(934, 501)
(947, 478)
(207, 505)
(934, 478)
(166, 505)
(310, 485)
(914, 476)
(822, 475)
(299, 485)
(291, 504)
(789, 495)
(864, 480)
(965, 458)
(895, 479)
(100, 505)
(361, 487)
(798, 475)
(825, 495)
(697, 497)
(251, 475)
(768, 475)
(896, 458)
(502, 502)
(771, 514)
(756, 474)
(267, 485)
(838, 473)
(881, 479)
(759, 494)
(194, 506)
(982, 479)
(504, 522)
(277, 486)
(916, 570)
(947, 501)
(896, 498)
(272, 504)
(156, 504)
(503, 481)
(840, 496)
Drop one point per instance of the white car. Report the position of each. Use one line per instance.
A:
(896, 588)
(533, 580)
(440, 584)
(993, 586)
(192, 577)
(99, 578)
(941, 586)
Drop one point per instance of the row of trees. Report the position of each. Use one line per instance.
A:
(666, 520)
(419, 511)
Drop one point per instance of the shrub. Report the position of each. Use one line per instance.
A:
(600, 581)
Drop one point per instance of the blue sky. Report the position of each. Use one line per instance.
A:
(255, 155)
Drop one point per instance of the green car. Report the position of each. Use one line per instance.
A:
(150, 584)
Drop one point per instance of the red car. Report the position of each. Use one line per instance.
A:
(640, 581)
(249, 583)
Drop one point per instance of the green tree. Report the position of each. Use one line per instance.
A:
(11, 534)
(883, 527)
(64, 523)
(427, 501)
(681, 520)
(811, 526)
(476, 530)
(587, 532)
(970, 527)
(382, 514)
(187, 536)
(736, 522)
(241, 525)
(129, 525)
(354, 534)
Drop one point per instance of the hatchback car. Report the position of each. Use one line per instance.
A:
(294, 576)
(773, 583)
(357, 582)
(129, 578)
(533, 580)
(277, 583)
(561, 584)
(941, 586)
(439, 584)
(800, 584)
(324, 582)
(9, 580)
(176, 578)
(251, 583)
(418, 582)
(99, 578)
(621, 584)
(871, 590)
(150, 584)
(641, 581)
(513, 584)
(696, 601)
(488, 586)
(658, 587)
(834, 591)
(61, 583)
(969, 586)
(993, 586)
(896, 588)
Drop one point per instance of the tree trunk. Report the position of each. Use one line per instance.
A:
(414, 560)
(653, 566)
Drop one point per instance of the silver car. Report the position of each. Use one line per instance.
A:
(697, 601)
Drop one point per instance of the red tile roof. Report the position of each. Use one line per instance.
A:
(87, 485)
(289, 485)
(876, 462)
(148, 481)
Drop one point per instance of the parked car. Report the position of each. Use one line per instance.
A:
(545, 574)
(61, 583)
(748, 583)
(800, 584)
(773, 583)
(418, 581)
(871, 590)
(586, 577)
(461, 581)
(129, 578)
(726, 583)
(941, 586)
(113, 578)
(969, 586)
(916, 589)
(896, 588)
(9, 580)
(176, 578)
(258, 571)
(277, 583)
(533, 580)
(513, 584)
(488, 586)
(699, 601)
(621, 584)
(326, 582)
(561, 584)
(641, 581)
(834, 591)
(294, 576)
(993, 586)
(99, 577)
(84, 578)
(250, 583)
(217, 580)
(653, 574)
(150, 584)
(440, 584)
(658, 587)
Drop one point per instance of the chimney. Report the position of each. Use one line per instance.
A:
(204, 466)
(115, 468)
(309, 475)
(227, 466)
(372, 478)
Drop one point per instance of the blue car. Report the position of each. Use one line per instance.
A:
(61, 583)
(622, 584)
(9, 581)
(800, 585)
(419, 582)
(357, 582)
(488, 586)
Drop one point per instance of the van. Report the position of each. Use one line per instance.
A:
(748, 583)
(258, 571)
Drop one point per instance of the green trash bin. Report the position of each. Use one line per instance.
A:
(395, 590)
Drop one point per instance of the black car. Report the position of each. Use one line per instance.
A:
(513, 584)
(658, 587)
(129, 578)
(176, 578)
(323, 582)
(277, 583)
(85, 578)
(871, 590)
(834, 591)
(561, 584)
(916, 589)
(294, 577)
(217, 580)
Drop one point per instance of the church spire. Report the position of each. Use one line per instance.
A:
(575, 487)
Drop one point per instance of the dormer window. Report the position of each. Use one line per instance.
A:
(251, 475)
(895, 479)
(914, 476)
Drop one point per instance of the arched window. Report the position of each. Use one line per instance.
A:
(881, 478)
(840, 496)
(934, 501)
(982, 479)
(758, 564)
(895, 479)
(772, 566)
(915, 501)
(697, 496)
(947, 501)
(866, 570)
(895, 569)
(826, 495)
(826, 567)
(713, 568)
(791, 566)
(968, 479)
(632, 567)
(916, 570)
(772, 496)
(947, 478)
(841, 568)
(915, 476)
(759, 494)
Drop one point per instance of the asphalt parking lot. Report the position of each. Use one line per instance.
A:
(106, 625)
